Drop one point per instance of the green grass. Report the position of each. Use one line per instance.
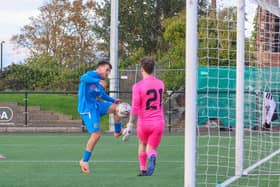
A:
(61, 103)
(52, 160)
(66, 104)
(216, 160)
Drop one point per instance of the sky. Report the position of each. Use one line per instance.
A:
(14, 14)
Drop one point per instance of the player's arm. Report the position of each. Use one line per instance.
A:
(132, 120)
(106, 97)
(103, 94)
(129, 126)
(133, 114)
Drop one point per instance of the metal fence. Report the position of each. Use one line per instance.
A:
(10, 115)
(216, 95)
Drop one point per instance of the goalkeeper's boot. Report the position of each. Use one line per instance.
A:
(151, 165)
(84, 166)
(142, 173)
(2, 157)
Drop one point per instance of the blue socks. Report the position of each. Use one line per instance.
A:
(87, 155)
(118, 127)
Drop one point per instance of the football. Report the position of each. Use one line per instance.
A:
(123, 109)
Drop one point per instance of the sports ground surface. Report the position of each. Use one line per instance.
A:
(53, 160)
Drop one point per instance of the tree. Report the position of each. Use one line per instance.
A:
(140, 24)
(42, 73)
(216, 43)
(23, 77)
(62, 30)
(174, 58)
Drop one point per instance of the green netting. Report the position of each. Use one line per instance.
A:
(217, 92)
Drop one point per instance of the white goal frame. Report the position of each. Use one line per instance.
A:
(191, 95)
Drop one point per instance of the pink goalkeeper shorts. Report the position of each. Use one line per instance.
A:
(150, 132)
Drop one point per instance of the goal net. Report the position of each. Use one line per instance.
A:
(218, 159)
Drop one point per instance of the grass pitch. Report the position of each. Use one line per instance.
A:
(53, 160)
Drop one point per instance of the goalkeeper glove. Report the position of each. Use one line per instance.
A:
(127, 131)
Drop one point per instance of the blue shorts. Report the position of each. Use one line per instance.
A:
(92, 118)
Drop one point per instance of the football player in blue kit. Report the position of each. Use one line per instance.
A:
(94, 102)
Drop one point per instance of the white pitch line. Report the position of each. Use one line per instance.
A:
(72, 145)
(75, 161)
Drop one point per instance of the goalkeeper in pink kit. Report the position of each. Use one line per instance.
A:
(147, 110)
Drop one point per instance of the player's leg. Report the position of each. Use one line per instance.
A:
(142, 154)
(117, 121)
(92, 141)
(92, 122)
(117, 126)
(154, 140)
(142, 158)
(152, 157)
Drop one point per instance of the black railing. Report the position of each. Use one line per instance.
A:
(169, 96)
(27, 93)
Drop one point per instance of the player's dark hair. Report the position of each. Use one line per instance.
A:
(104, 62)
(148, 64)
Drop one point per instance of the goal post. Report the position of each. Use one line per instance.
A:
(191, 95)
(232, 93)
(240, 64)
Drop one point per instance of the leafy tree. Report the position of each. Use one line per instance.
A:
(216, 43)
(132, 59)
(42, 73)
(62, 30)
(174, 58)
(140, 25)
(23, 77)
(251, 45)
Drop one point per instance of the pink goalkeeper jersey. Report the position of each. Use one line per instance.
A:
(147, 99)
